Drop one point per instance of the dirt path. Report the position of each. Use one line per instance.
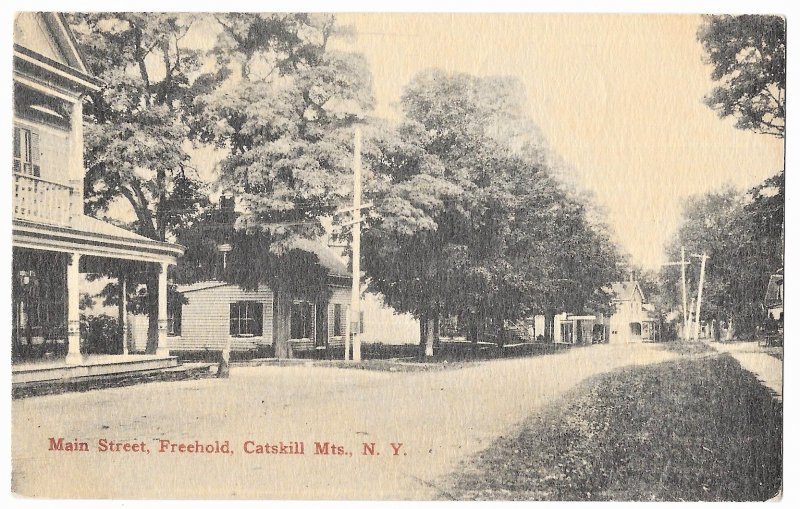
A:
(752, 357)
(439, 417)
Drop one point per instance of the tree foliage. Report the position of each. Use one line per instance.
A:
(742, 234)
(285, 119)
(136, 126)
(467, 222)
(748, 54)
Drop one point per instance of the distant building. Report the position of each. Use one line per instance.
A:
(380, 323)
(630, 322)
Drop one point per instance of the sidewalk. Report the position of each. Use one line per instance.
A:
(752, 357)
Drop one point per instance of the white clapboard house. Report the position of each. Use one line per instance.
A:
(215, 313)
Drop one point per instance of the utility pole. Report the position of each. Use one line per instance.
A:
(354, 321)
(683, 263)
(355, 297)
(703, 257)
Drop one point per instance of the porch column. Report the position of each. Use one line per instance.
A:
(73, 309)
(162, 348)
(123, 312)
(76, 168)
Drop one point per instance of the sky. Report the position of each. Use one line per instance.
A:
(618, 97)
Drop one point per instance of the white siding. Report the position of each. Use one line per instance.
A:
(382, 324)
(31, 31)
(205, 322)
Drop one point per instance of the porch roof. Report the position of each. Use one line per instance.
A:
(87, 235)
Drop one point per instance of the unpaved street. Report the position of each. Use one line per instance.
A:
(439, 417)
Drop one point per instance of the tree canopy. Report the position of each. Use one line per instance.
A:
(469, 225)
(748, 55)
(285, 119)
(742, 234)
(136, 126)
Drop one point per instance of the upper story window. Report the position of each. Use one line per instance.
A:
(26, 151)
(39, 107)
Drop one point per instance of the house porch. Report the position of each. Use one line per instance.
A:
(47, 264)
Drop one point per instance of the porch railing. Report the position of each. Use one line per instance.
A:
(40, 200)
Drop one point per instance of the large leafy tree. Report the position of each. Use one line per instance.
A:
(285, 118)
(468, 223)
(748, 55)
(136, 127)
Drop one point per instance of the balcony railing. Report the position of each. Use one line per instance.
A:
(40, 200)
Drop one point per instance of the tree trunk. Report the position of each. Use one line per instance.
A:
(501, 333)
(281, 321)
(473, 334)
(429, 334)
(224, 369)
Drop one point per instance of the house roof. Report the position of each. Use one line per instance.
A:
(202, 285)
(624, 290)
(93, 237)
(45, 40)
(327, 258)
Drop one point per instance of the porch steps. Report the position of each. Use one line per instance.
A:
(188, 371)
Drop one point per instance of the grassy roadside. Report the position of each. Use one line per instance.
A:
(698, 428)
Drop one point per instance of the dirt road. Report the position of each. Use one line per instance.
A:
(438, 417)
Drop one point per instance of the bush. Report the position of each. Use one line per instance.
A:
(100, 335)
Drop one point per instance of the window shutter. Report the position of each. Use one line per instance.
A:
(17, 151)
(258, 316)
(234, 319)
(35, 154)
(337, 319)
(178, 318)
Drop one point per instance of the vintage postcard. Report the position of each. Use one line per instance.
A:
(397, 256)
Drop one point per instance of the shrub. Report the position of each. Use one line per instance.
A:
(100, 334)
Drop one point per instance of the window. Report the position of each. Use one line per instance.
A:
(174, 315)
(566, 332)
(247, 318)
(26, 152)
(303, 320)
(338, 320)
(361, 322)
